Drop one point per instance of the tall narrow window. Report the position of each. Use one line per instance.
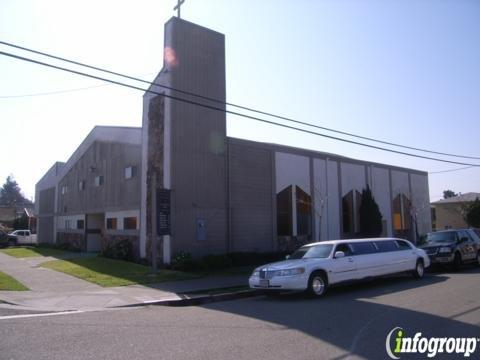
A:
(284, 212)
(304, 212)
(402, 221)
(351, 213)
(347, 213)
(81, 185)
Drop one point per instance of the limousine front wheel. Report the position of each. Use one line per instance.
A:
(419, 270)
(317, 284)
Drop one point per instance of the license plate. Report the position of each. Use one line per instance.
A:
(264, 283)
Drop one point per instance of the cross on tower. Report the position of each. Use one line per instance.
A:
(177, 7)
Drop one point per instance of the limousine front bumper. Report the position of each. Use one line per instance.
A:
(294, 282)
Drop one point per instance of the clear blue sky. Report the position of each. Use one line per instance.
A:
(402, 71)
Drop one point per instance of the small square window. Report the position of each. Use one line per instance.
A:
(111, 223)
(81, 185)
(99, 180)
(80, 224)
(130, 223)
(130, 172)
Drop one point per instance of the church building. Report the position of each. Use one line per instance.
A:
(198, 191)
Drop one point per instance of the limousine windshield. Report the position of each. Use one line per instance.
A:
(316, 251)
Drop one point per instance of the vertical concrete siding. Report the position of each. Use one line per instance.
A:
(250, 179)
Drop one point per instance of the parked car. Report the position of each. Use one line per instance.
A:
(477, 232)
(314, 267)
(3, 238)
(22, 237)
(452, 247)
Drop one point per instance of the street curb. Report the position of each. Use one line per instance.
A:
(197, 300)
(8, 303)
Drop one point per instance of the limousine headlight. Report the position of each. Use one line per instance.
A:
(256, 273)
(444, 250)
(289, 272)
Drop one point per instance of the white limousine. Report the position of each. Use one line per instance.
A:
(314, 267)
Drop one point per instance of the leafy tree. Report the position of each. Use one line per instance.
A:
(11, 195)
(449, 194)
(370, 215)
(472, 214)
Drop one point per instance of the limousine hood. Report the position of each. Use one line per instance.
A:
(289, 264)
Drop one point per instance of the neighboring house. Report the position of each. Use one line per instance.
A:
(449, 212)
(32, 219)
(8, 215)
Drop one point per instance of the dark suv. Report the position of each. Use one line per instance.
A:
(452, 247)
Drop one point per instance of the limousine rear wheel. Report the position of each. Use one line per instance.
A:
(419, 270)
(317, 284)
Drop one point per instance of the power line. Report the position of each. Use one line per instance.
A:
(451, 170)
(52, 92)
(231, 112)
(235, 105)
(57, 91)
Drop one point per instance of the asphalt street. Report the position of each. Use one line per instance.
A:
(351, 322)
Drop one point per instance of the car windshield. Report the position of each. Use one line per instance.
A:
(448, 236)
(316, 251)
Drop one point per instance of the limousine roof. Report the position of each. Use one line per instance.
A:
(333, 242)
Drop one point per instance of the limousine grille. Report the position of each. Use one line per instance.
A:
(431, 251)
(265, 274)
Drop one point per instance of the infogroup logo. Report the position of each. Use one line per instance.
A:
(397, 343)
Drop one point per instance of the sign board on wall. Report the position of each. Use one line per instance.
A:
(163, 212)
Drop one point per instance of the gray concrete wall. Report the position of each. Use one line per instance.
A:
(251, 197)
(46, 215)
(253, 174)
(101, 159)
(198, 137)
(45, 233)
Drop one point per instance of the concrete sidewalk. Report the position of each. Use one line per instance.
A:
(54, 291)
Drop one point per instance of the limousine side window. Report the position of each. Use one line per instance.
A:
(402, 245)
(345, 248)
(386, 246)
(363, 248)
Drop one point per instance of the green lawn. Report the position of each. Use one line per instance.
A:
(107, 272)
(30, 251)
(10, 284)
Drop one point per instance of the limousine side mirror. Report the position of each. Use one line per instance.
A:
(287, 257)
(339, 254)
(462, 240)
